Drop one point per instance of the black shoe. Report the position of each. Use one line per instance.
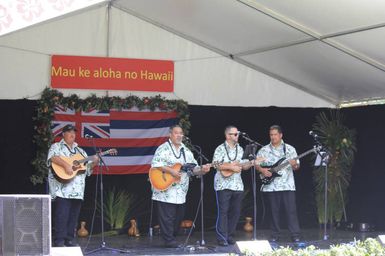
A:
(70, 243)
(274, 239)
(171, 244)
(295, 239)
(231, 241)
(222, 243)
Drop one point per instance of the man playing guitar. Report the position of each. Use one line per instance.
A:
(67, 196)
(281, 190)
(171, 201)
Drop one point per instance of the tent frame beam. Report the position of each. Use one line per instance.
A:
(226, 54)
(316, 36)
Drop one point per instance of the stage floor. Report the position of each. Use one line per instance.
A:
(145, 245)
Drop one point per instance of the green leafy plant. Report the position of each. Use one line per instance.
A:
(369, 247)
(340, 141)
(50, 98)
(117, 205)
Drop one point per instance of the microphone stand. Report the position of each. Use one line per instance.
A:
(100, 172)
(325, 155)
(324, 162)
(197, 149)
(253, 145)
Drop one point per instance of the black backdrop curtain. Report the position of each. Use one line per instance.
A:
(366, 193)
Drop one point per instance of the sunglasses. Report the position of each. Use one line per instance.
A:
(235, 134)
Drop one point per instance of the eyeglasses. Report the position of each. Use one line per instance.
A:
(235, 134)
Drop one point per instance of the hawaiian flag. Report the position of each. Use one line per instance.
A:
(135, 134)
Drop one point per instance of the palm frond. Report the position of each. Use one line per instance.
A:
(340, 141)
(117, 206)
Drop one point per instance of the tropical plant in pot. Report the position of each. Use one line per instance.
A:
(340, 142)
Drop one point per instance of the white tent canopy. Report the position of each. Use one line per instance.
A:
(229, 53)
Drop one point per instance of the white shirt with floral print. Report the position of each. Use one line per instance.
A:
(272, 155)
(167, 155)
(74, 189)
(234, 182)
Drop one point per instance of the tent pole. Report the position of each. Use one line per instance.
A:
(108, 28)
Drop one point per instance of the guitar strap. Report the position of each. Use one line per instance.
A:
(72, 152)
(80, 152)
(75, 149)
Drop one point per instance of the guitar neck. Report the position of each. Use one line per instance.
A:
(90, 157)
(304, 154)
(86, 159)
(246, 163)
(287, 163)
(212, 165)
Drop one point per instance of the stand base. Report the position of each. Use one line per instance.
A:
(193, 248)
(103, 247)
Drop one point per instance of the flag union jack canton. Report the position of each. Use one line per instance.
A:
(134, 133)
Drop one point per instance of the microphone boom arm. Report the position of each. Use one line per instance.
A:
(246, 137)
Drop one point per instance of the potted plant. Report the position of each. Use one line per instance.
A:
(340, 141)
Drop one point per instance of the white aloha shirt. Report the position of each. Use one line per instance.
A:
(272, 155)
(234, 182)
(164, 156)
(75, 188)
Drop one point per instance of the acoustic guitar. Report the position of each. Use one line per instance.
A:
(77, 163)
(162, 180)
(228, 172)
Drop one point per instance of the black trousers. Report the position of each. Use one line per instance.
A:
(287, 199)
(170, 216)
(66, 219)
(229, 209)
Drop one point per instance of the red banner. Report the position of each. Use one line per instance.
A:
(100, 73)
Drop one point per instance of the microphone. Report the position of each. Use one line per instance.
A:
(87, 136)
(311, 133)
(241, 133)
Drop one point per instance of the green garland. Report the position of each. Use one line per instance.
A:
(45, 112)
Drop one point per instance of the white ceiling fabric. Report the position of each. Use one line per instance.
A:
(289, 53)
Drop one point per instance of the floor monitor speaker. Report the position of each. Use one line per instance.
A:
(25, 224)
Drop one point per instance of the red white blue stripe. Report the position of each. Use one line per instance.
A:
(134, 133)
